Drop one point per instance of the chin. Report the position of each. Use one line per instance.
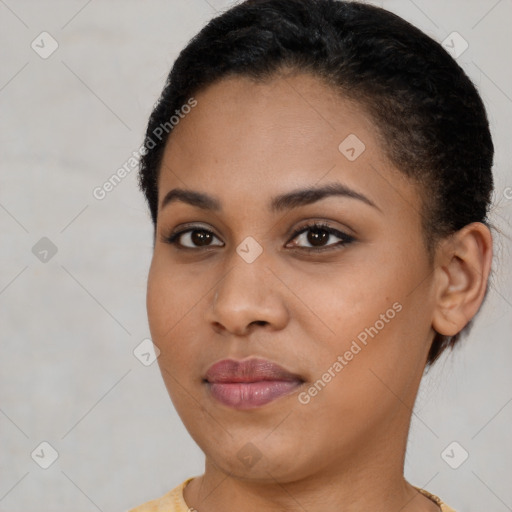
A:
(258, 462)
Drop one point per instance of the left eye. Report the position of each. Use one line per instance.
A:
(317, 234)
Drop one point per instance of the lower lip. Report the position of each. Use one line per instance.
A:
(248, 395)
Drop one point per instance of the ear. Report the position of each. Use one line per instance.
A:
(463, 264)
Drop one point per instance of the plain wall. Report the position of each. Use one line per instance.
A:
(70, 324)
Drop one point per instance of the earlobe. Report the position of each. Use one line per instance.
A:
(463, 266)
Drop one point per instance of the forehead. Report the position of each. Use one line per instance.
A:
(246, 141)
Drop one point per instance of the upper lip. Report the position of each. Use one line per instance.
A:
(248, 370)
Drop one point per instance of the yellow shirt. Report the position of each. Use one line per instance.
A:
(173, 501)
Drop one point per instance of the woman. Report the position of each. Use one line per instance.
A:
(319, 175)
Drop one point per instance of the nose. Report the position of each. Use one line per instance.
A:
(248, 295)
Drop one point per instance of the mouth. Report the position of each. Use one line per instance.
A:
(250, 383)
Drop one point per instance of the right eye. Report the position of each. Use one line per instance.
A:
(195, 236)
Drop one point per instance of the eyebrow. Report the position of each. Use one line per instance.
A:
(289, 200)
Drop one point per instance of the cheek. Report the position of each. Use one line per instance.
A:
(377, 321)
(171, 307)
(159, 303)
(345, 301)
(170, 315)
(169, 298)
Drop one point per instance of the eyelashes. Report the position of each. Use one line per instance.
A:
(319, 230)
(321, 227)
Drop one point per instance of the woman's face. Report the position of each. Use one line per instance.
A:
(353, 322)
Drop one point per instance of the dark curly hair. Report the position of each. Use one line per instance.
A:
(428, 114)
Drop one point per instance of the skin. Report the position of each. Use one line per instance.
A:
(244, 143)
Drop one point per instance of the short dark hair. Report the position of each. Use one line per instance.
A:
(429, 115)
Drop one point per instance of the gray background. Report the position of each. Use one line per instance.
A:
(70, 324)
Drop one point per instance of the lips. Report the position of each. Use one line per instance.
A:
(249, 383)
(249, 370)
